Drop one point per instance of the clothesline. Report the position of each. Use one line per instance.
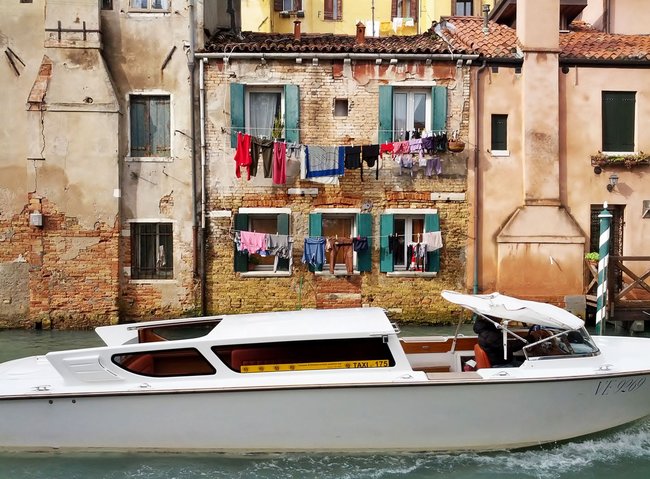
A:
(229, 130)
(232, 232)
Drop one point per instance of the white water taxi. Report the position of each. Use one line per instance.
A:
(325, 380)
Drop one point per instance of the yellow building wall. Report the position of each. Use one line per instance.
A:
(259, 16)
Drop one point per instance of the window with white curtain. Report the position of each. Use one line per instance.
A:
(411, 111)
(264, 112)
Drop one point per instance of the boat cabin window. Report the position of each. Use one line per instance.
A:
(306, 355)
(173, 332)
(549, 342)
(166, 363)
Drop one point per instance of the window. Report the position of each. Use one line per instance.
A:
(261, 220)
(166, 363)
(463, 8)
(343, 224)
(618, 121)
(150, 5)
(405, 9)
(401, 228)
(341, 107)
(151, 251)
(264, 113)
(499, 133)
(287, 5)
(410, 110)
(258, 110)
(306, 355)
(332, 9)
(107, 4)
(402, 110)
(150, 126)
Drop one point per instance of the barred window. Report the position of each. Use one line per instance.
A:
(152, 251)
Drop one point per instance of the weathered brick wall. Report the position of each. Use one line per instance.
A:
(72, 274)
(407, 298)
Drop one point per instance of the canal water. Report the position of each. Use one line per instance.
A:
(624, 453)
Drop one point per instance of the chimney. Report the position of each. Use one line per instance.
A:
(296, 30)
(486, 13)
(361, 33)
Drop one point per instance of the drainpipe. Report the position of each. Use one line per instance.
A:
(198, 249)
(202, 61)
(477, 150)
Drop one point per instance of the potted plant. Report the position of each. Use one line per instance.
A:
(592, 257)
(278, 128)
(455, 144)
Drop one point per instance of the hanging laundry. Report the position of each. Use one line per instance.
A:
(416, 254)
(432, 240)
(434, 165)
(294, 150)
(393, 243)
(280, 245)
(441, 142)
(324, 180)
(345, 246)
(279, 163)
(353, 157)
(243, 154)
(370, 154)
(324, 161)
(428, 144)
(263, 147)
(314, 252)
(252, 242)
(360, 243)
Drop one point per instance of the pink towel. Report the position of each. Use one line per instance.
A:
(252, 242)
(279, 163)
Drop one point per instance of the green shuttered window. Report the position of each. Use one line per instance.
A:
(409, 228)
(618, 120)
(271, 223)
(150, 125)
(407, 109)
(246, 114)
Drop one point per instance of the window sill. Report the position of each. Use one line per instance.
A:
(500, 153)
(337, 273)
(265, 274)
(152, 281)
(149, 159)
(412, 274)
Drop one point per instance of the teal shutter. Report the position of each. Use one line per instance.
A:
(386, 227)
(159, 125)
(364, 228)
(237, 116)
(432, 223)
(618, 120)
(315, 229)
(241, 259)
(499, 132)
(283, 229)
(292, 113)
(439, 102)
(385, 114)
(139, 129)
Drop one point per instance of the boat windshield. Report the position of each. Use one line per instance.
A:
(174, 332)
(551, 342)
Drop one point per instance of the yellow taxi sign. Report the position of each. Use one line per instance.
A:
(356, 364)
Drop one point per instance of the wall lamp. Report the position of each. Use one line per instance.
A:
(613, 180)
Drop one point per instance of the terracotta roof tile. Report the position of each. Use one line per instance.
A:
(458, 35)
(254, 42)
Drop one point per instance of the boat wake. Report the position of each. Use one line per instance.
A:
(623, 453)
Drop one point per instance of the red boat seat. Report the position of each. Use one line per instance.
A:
(481, 358)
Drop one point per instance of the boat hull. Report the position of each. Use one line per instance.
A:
(422, 416)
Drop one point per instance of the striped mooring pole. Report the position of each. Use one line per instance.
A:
(603, 260)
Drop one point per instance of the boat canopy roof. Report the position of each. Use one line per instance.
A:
(513, 309)
(303, 324)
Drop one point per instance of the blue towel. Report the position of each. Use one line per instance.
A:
(324, 161)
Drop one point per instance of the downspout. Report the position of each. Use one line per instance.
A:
(198, 269)
(477, 136)
(202, 61)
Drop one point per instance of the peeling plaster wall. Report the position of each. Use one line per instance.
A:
(147, 54)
